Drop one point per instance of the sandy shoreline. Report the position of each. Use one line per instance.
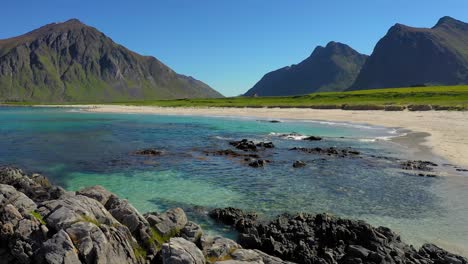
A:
(448, 130)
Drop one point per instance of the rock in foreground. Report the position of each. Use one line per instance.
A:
(326, 239)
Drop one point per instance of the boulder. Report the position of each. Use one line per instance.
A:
(418, 165)
(217, 248)
(169, 223)
(299, 164)
(181, 251)
(97, 193)
(419, 107)
(60, 249)
(9, 195)
(259, 163)
(35, 186)
(244, 145)
(191, 232)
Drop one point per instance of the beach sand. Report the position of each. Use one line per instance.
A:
(447, 130)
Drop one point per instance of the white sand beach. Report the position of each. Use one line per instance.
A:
(448, 129)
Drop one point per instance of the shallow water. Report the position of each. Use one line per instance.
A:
(78, 149)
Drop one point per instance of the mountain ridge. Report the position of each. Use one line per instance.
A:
(332, 67)
(409, 56)
(71, 61)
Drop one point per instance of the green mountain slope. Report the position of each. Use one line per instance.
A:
(330, 68)
(409, 56)
(70, 62)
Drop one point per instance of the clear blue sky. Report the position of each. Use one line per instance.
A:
(231, 44)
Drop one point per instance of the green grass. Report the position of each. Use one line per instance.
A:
(452, 97)
(38, 217)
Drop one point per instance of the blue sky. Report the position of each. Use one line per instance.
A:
(231, 44)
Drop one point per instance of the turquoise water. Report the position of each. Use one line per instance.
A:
(77, 149)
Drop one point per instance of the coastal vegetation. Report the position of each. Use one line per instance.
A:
(391, 99)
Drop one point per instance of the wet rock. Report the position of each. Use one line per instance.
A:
(232, 153)
(234, 217)
(168, 223)
(342, 153)
(244, 144)
(461, 169)
(299, 164)
(259, 163)
(149, 152)
(181, 251)
(418, 165)
(265, 145)
(217, 248)
(323, 238)
(191, 232)
(275, 121)
(312, 138)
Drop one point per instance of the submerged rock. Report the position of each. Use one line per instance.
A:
(232, 153)
(299, 164)
(149, 152)
(418, 165)
(312, 138)
(342, 153)
(259, 163)
(247, 145)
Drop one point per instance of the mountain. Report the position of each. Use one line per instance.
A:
(330, 68)
(409, 56)
(70, 61)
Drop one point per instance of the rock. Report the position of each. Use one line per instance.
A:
(394, 108)
(323, 238)
(34, 186)
(342, 153)
(231, 153)
(97, 193)
(217, 248)
(312, 138)
(418, 165)
(299, 164)
(168, 223)
(191, 232)
(265, 145)
(234, 217)
(244, 145)
(102, 244)
(60, 249)
(149, 152)
(181, 251)
(439, 255)
(419, 107)
(9, 195)
(258, 163)
(275, 121)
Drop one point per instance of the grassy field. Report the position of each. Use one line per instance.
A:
(440, 97)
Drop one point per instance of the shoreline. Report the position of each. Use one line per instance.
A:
(445, 131)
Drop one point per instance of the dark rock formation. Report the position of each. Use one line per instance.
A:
(247, 145)
(299, 164)
(342, 153)
(231, 153)
(312, 138)
(259, 163)
(149, 152)
(326, 239)
(418, 165)
(95, 226)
